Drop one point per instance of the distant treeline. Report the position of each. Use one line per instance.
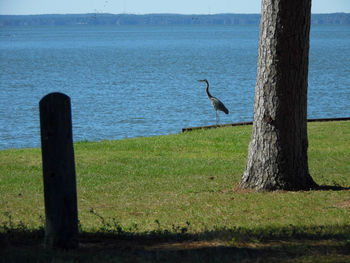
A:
(156, 19)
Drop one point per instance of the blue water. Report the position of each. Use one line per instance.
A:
(130, 81)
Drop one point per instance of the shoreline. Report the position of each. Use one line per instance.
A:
(188, 129)
(250, 123)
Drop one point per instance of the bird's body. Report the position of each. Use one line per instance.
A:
(217, 104)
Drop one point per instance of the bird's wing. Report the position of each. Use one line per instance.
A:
(218, 105)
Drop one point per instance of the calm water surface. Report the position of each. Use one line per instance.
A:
(131, 81)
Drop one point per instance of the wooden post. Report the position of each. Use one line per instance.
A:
(61, 229)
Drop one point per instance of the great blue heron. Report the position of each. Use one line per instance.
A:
(217, 104)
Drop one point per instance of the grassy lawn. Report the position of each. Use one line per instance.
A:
(176, 196)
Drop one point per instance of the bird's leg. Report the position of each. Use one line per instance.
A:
(217, 118)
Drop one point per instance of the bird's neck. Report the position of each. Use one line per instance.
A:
(207, 90)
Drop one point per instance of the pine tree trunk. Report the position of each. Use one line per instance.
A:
(277, 154)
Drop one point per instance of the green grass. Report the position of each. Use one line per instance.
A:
(185, 184)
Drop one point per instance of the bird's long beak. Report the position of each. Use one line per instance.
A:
(201, 80)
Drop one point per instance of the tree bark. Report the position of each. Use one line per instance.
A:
(277, 153)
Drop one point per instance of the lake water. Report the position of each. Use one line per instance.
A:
(130, 81)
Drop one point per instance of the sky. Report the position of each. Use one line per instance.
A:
(25, 7)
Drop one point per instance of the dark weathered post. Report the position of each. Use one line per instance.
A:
(61, 230)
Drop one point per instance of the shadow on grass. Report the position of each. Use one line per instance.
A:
(271, 244)
(331, 188)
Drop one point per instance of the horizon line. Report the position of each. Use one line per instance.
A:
(143, 14)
